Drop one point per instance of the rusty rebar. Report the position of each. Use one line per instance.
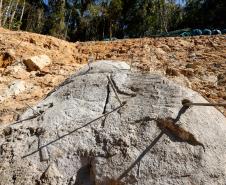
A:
(188, 103)
(114, 89)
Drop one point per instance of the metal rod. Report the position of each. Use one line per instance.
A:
(71, 132)
(188, 103)
(114, 89)
(35, 112)
(205, 104)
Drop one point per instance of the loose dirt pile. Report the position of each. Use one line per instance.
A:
(197, 62)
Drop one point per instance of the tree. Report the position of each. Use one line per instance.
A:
(1, 13)
(57, 18)
(33, 16)
(140, 18)
(13, 14)
(22, 14)
(97, 19)
(114, 12)
(207, 13)
(7, 12)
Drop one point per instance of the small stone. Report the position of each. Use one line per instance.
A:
(210, 78)
(33, 74)
(39, 131)
(17, 71)
(7, 131)
(37, 62)
(52, 173)
(32, 41)
(44, 154)
(17, 87)
(20, 137)
(188, 72)
(172, 72)
(165, 48)
(6, 58)
(189, 66)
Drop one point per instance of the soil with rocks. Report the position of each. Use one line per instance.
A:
(108, 125)
(196, 62)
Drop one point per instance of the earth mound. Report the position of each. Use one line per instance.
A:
(109, 125)
(195, 62)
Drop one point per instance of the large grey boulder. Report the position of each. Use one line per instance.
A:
(148, 138)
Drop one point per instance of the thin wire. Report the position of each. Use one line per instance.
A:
(35, 112)
(71, 132)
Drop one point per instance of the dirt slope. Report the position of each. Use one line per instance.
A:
(197, 62)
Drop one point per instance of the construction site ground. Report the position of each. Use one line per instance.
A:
(196, 62)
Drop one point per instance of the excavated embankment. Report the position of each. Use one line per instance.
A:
(196, 62)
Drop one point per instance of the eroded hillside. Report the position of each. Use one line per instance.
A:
(196, 62)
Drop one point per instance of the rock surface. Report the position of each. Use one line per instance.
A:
(147, 138)
(37, 62)
(13, 89)
(6, 58)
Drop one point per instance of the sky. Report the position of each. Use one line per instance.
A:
(45, 1)
(180, 2)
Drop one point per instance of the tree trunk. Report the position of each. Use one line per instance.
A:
(65, 36)
(38, 22)
(13, 14)
(7, 12)
(21, 16)
(110, 30)
(1, 13)
(164, 16)
(62, 18)
(103, 34)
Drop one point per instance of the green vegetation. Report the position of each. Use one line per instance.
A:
(105, 19)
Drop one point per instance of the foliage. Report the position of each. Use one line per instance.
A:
(100, 19)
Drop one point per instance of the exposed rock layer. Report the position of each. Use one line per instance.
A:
(82, 134)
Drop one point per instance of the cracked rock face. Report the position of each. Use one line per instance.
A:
(107, 125)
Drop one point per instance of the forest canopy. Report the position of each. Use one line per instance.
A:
(82, 20)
